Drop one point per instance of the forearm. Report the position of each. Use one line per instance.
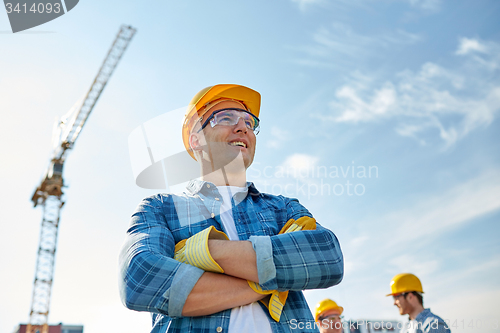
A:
(237, 258)
(305, 260)
(217, 292)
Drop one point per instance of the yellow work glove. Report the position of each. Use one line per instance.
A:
(277, 301)
(303, 223)
(194, 250)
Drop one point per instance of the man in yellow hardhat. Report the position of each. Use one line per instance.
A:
(222, 256)
(406, 290)
(328, 316)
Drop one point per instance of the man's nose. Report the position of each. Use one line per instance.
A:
(240, 125)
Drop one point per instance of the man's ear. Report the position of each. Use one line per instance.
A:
(194, 141)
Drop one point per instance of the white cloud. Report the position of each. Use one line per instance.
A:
(436, 215)
(426, 5)
(484, 53)
(410, 263)
(411, 240)
(344, 43)
(381, 103)
(414, 228)
(468, 45)
(452, 102)
(358, 241)
(298, 164)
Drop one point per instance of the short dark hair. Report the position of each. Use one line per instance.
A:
(418, 295)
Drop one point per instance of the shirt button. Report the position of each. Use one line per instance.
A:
(208, 185)
(217, 199)
(213, 215)
(219, 329)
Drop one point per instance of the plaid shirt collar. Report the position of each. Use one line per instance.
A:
(424, 314)
(196, 186)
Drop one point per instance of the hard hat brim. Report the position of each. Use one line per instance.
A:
(408, 291)
(339, 308)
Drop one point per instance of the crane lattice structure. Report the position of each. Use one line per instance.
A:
(49, 193)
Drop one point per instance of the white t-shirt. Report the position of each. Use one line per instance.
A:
(411, 327)
(247, 318)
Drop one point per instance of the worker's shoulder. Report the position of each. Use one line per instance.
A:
(427, 314)
(432, 322)
(167, 198)
(281, 202)
(276, 198)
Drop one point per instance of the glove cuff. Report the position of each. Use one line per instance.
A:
(275, 303)
(303, 223)
(197, 253)
(258, 289)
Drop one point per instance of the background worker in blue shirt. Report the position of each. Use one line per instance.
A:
(406, 289)
(222, 256)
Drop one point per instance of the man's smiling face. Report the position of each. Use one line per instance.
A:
(224, 143)
(402, 303)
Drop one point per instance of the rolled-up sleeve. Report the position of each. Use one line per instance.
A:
(306, 260)
(264, 256)
(302, 260)
(150, 279)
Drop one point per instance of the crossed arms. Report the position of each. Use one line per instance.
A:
(238, 260)
(151, 280)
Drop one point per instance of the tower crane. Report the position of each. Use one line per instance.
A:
(49, 193)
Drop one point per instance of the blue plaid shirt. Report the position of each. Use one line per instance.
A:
(151, 280)
(428, 322)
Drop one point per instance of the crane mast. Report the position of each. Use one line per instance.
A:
(49, 193)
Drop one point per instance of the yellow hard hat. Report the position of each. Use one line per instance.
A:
(249, 97)
(324, 305)
(405, 282)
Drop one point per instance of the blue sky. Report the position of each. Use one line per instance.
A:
(410, 88)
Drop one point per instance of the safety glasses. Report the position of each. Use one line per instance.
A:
(331, 318)
(399, 295)
(230, 117)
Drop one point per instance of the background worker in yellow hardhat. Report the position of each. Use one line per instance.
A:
(222, 256)
(406, 290)
(328, 316)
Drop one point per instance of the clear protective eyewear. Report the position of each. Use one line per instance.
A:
(395, 297)
(331, 318)
(230, 117)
